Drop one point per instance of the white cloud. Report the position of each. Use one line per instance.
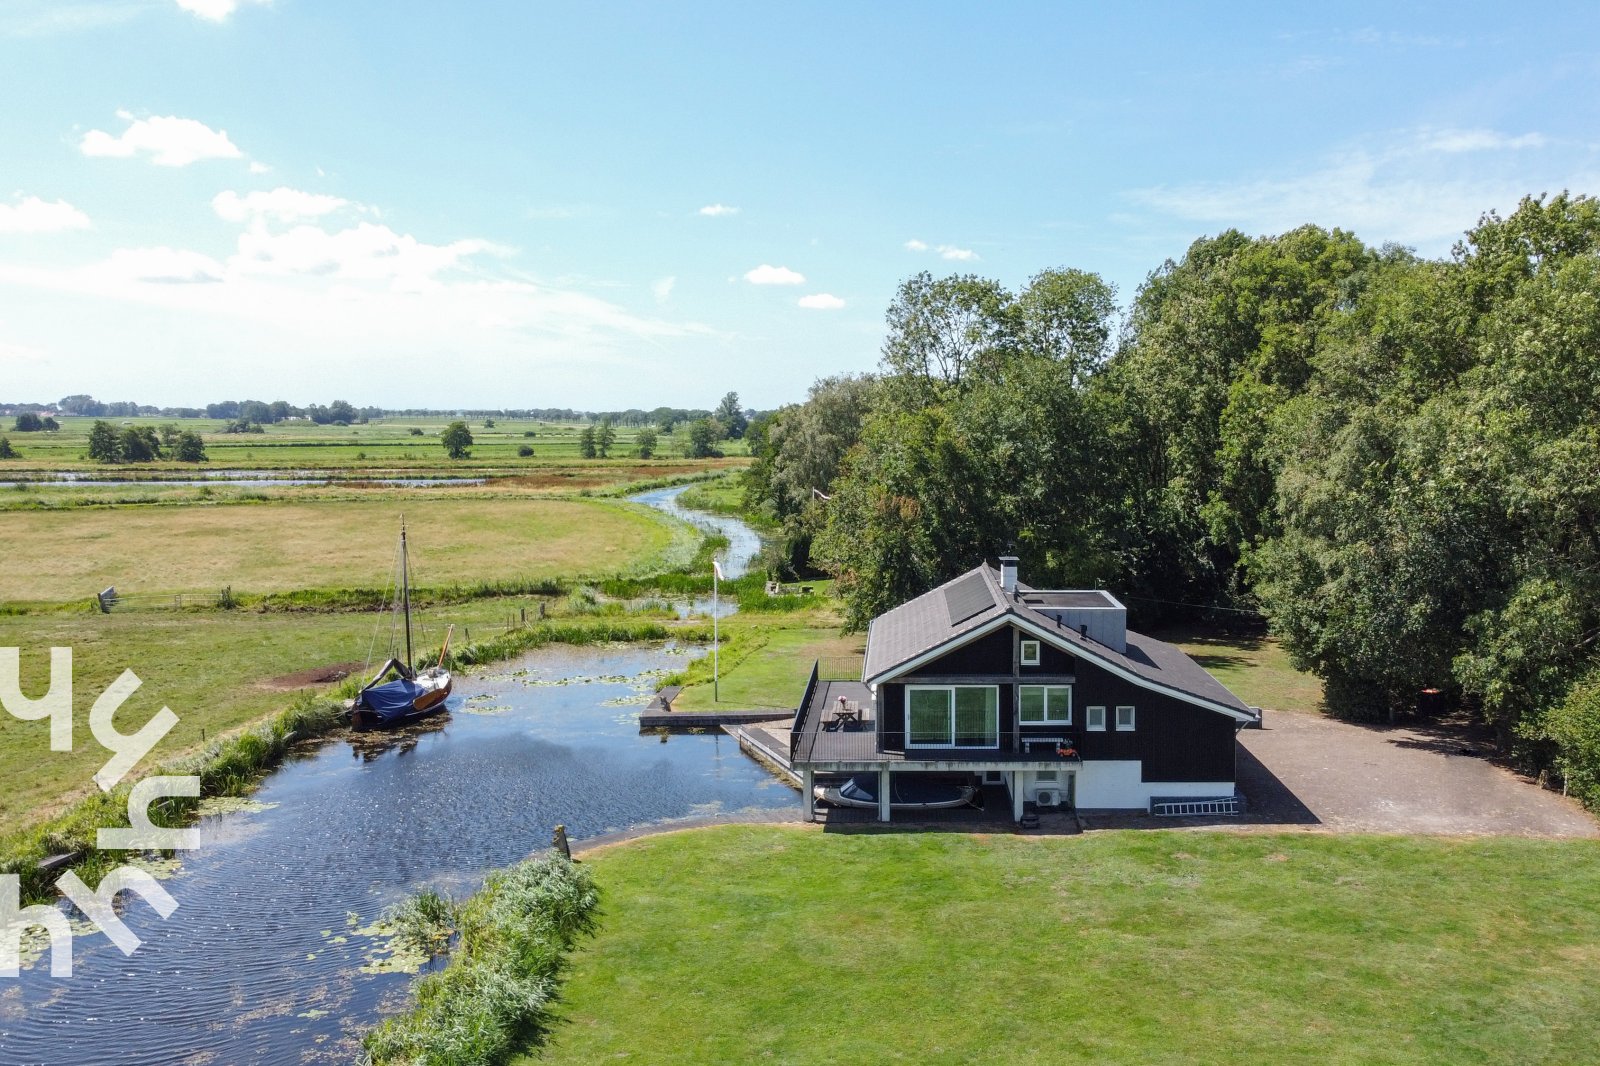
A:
(1478, 141)
(662, 288)
(212, 10)
(765, 274)
(718, 210)
(163, 266)
(914, 245)
(365, 252)
(259, 168)
(33, 215)
(821, 301)
(963, 255)
(1409, 187)
(282, 203)
(169, 141)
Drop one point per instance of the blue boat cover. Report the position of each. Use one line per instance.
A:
(393, 699)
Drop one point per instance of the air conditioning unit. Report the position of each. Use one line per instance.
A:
(1047, 797)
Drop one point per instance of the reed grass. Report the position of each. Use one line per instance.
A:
(498, 994)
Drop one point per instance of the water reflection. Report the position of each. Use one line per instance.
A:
(271, 956)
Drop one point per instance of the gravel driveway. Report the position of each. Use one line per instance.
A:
(1305, 769)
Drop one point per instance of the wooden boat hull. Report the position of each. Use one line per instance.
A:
(435, 686)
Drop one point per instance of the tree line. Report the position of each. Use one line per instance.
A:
(1395, 460)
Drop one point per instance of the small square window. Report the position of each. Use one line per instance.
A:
(1096, 719)
(1125, 718)
(1030, 653)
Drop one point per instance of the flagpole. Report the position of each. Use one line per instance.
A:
(716, 673)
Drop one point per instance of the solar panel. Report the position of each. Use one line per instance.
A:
(967, 597)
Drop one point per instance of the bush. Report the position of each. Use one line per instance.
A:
(525, 451)
(6, 450)
(504, 978)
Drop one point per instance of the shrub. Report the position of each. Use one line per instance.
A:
(525, 451)
(498, 992)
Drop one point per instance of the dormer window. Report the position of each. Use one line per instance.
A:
(1030, 653)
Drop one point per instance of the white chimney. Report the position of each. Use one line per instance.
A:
(1008, 573)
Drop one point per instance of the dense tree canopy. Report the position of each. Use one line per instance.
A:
(1395, 460)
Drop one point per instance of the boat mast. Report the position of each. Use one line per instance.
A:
(405, 590)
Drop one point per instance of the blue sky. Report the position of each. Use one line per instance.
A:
(486, 205)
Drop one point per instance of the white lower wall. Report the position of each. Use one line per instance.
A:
(1119, 785)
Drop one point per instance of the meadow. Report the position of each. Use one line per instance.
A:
(286, 544)
(398, 442)
(1125, 946)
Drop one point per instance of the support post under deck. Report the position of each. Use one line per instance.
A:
(883, 794)
(808, 802)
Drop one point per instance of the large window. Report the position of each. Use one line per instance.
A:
(1045, 704)
(959, 716)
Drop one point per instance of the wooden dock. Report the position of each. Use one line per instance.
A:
(761, 746)
(656, 717)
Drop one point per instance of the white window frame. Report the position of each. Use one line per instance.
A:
(1090, 714)
(1047, 719)
(1125, 728)
(952, 690)
(1023, 656)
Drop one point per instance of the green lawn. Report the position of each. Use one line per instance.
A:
(1256, 668)
(57, 556)
(799, 946)
(767, 667)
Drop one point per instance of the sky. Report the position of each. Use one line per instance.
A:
(476, 205)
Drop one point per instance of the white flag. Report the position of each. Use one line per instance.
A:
(716, 566)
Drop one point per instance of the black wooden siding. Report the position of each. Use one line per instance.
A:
(1173, 739)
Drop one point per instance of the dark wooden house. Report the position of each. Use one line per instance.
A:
(1046, 693)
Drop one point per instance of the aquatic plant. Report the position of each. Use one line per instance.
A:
(498, 993)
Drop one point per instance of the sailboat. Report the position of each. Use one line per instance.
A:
(411, 695)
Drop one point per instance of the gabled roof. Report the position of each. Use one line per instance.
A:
(957, 612)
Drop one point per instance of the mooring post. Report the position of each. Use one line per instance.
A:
(559, 842)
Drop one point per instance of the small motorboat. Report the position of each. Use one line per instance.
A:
(906, 792)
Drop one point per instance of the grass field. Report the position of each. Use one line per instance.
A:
(1254, 666)
(1127, 947)
(297, 545)
(768, 668)
(388, 442)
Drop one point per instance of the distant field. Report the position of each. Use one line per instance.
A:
(389, 442)
(266, 547)
(1112, 947)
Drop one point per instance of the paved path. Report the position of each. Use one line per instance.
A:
(1305, 769)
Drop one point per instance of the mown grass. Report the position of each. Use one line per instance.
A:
(1254, 666)
(278, 547)
(1137, 947)
(764, 668)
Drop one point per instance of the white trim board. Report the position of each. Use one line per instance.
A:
(1007, 618)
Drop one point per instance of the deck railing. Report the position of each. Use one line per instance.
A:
(798, 731)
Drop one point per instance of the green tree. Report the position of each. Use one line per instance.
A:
(730, 416)
(103, 444)
(645, 442)
(138, 444)
(488, 423)
(586, 442)
(457, 440)
(188, 447)
(6, 450)
(605, 435)
(703, 437)
(524, 451)
(27, 422)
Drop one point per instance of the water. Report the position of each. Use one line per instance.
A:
(743, 542)
(270, 958)
(249, 969)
